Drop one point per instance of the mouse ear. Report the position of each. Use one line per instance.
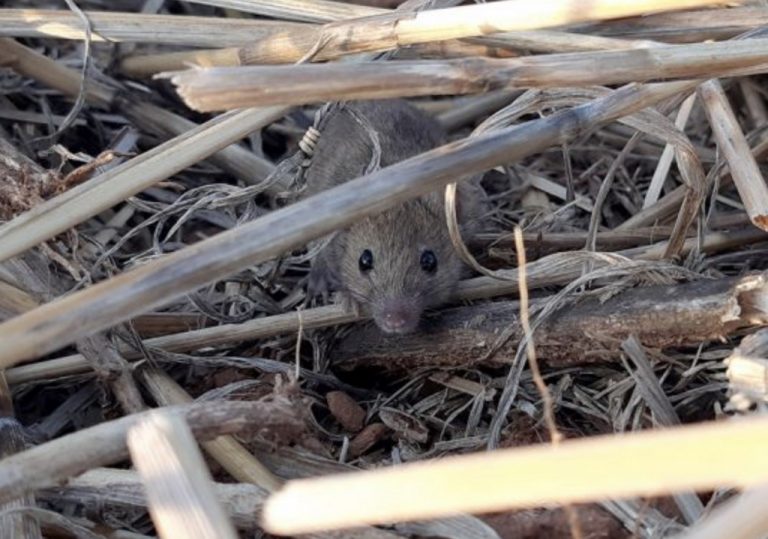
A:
(468, 201)
(434, 201)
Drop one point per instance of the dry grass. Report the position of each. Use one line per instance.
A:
(153, 254)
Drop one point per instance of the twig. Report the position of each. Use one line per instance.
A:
(546, 397)
(555, 436)
(590, 331)
(123, 488)
(234, 87)
(104, 444)
(225, 450)
(191, 340)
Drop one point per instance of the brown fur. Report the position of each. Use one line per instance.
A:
(396, 287)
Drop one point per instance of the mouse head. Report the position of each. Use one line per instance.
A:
(400, 262)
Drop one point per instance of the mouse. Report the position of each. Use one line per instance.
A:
(401, 262)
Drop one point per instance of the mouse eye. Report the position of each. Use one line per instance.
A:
(366, 261)
(428, 261)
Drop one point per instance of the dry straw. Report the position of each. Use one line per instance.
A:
(701, 457)
(179, 487)
(225, 450)
(403, 29)
(123, 488)
(138, 27)
(46, 464)
(234, 87)
(673, 461)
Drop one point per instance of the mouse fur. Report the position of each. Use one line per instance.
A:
(401, 281)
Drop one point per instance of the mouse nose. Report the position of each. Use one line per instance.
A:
(398, 317)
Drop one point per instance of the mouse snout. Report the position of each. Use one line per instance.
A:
(398, 316)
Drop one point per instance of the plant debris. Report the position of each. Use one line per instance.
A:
(641, 215)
